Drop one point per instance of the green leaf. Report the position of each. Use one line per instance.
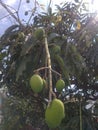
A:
(2, 55)
(61, 64)
(49, 10)
(53, 36)
(21, 66)
(55, 49)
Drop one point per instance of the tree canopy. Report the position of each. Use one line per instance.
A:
(72, 39)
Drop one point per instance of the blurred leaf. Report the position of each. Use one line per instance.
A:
(52, 36)
(78, 25)
(59, 19)
(21, 66)
(61, 64)
(96, 109)
(28, 1)
(42, 6)
(76, 1)
(50, 11)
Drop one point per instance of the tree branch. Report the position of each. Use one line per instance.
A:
(10, 12)
(50, 68)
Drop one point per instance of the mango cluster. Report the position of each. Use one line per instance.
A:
(54, 112)
(37, 83)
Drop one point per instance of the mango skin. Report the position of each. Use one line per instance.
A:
(36, 83)
(54, 113)
(44, 83)
(60, 84)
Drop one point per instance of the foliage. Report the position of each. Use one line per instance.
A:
(17, 113)
(72, 41)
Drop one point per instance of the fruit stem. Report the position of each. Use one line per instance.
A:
(46, 68)
(56, 73)
(49, 67)
(80, 116)
(42, 68)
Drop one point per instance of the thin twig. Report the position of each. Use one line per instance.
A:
(56, 72)
(19, 5)
(33, 11)
(42, 68)
(80, 115)
(10, 12)
(6, 16)
(11, 7)
(49, 3)
(45, 66)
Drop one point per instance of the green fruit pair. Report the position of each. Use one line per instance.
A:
(54, 113)
(37, 83)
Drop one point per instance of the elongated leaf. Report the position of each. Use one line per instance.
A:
(21, 67)
(52, 36)
(10, 31)
(61, 64)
